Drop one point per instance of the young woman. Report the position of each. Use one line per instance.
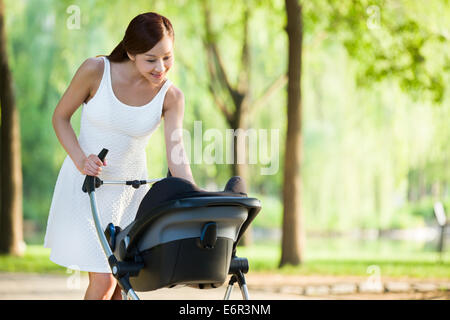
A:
(124, 96)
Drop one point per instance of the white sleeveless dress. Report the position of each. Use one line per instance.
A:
(124, 130)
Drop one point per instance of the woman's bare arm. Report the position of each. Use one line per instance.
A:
(77, 92)
(178, 161)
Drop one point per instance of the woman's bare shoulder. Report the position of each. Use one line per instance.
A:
(92, 67)
(174, 99)
(91, 71)
(174, 94)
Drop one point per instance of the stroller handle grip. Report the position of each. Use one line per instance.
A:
(90, 181)
(103, 154)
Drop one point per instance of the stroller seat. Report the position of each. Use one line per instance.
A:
(183, 234)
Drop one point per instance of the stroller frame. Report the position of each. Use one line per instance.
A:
(122, 270)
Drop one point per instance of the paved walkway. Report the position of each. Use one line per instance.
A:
(23, 286)
(27, 286)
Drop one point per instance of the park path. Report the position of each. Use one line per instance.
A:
(28, 286)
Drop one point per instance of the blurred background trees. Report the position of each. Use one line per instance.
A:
(374, 102)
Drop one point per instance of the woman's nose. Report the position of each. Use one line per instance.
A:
(159, 66)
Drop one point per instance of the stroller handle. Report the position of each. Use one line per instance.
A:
(90, 181)
(103, 154)
(89, 186)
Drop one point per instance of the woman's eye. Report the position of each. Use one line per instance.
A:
(165, 58)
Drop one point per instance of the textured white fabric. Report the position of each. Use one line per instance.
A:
(124, 130)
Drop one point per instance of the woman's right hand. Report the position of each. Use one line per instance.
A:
(92, 165)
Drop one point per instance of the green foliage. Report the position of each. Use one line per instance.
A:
(271, 212)
(375, 112)
(396, 40)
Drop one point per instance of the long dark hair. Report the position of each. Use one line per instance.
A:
(142, 34)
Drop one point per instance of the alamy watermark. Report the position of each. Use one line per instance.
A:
(373, 282)
(214, 146)
(73, 22)
(73, 282)
(373, 20)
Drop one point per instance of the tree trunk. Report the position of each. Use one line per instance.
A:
(239, 95)
(11, 233)
(292, 233)
(240, 153)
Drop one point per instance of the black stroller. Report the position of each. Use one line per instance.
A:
(181, 235)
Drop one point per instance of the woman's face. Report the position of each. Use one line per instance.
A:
(155, 63)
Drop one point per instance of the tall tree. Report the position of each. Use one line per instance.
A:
(292, 232)
(238, 95)
(11, 233)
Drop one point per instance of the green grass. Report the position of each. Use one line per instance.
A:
(353, 260)
(335, 257)
(36, 259)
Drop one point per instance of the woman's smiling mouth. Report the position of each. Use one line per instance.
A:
(157, 76)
